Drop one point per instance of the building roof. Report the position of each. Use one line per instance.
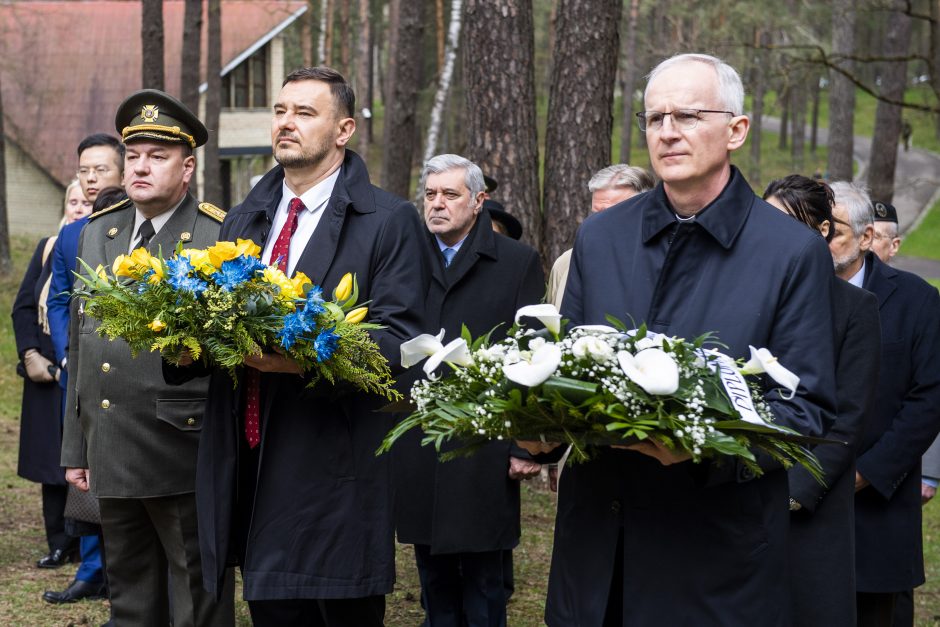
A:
(66, 66)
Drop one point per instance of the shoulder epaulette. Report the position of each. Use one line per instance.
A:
(124, 204)
(212, 211)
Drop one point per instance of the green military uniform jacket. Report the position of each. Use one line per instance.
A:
(137, 434)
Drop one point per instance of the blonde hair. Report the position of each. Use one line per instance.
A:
(65, 201)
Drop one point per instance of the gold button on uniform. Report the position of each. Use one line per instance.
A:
(105, 367)
(190, 421)
(105, 404)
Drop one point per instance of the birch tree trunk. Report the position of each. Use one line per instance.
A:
(192, 55)
(151, 39)
(401, 100)
(842, 93)
(212, 171)
(577, 138)
(499, 72)
(884, 157)
(443, 85)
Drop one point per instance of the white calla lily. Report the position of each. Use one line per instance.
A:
(454, 352)
(650, 341)
(762, 360)
(546, 314)
(537, 369)
(416, 349)
(653, 369)
(596, 328)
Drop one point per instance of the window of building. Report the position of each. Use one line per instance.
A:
(246, 86)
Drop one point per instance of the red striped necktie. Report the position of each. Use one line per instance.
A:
(279, 254)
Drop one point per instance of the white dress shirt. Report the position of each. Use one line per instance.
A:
(157, 222)
(315, 200)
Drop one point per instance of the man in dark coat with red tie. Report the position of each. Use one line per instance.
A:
(303, 504)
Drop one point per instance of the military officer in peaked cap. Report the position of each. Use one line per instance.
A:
(128, 436)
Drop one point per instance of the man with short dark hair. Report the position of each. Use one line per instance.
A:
(462, 516)
(128, 436)
(289, 486)
(904, 421)
(645, 536)
(100, 165)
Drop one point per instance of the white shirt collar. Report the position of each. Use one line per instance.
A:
(858, 279)
(314, 198)
(158, 223)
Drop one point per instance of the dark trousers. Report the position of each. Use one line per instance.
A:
(146, 539)
(903, 609)
(53, 516)
(613, 615)
(875, 609)
(462, 589)
(362, 612)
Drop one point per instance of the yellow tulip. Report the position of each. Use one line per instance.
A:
(157, 325)
(123, 266)
(222, 251)
(247, 247)
(357, 315)
(344, 289)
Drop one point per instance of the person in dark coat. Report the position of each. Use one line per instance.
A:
(645, 536)
(41, 414)
(463, 515)
(888, 543)
(306, 510)
(822, 520)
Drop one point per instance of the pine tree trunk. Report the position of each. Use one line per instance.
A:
(403, 83)
(814, 130)
(212, 172)
(629, 68)
(888, 116)
(326, 25)
(500, 104)
(192, 55)
(783, 97)
(798, 117)
(757, 106)
(6, 263)
(841, 140)
(151, 39)
(308, 26)
(441, 34)
(363, 80)
(577, 138)
(344, 39)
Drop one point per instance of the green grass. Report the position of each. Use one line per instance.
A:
(925, 240)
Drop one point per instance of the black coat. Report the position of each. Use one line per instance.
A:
(468, 504)
(322, 519)
(703, 544)
(905, 420)
(41, 414)
(822, 533)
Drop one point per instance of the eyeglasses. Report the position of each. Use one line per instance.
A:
(101, 170)
(684, 119)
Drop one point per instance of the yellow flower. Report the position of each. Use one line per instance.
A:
(157, 267)
(141, 258)
(357, 315)
(300, 279)
(274, 276)
(157, 325)
(123, 266)
(247, 247)
(222, 251)
(101, 272)
(199, 259)
(344, 289)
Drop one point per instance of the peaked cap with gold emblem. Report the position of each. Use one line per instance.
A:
(155, 115)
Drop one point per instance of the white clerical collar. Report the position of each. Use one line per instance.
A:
(858, 279)
(314, 198)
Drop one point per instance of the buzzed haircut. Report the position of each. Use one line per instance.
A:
(343, 94)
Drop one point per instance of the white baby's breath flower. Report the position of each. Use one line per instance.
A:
(594, 347)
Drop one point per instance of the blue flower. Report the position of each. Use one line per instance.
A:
(179, 268)
(189, 284)
(326, 345)
(235, 272)
(314, 305)
(295, 325)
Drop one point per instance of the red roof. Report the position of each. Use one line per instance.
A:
(66, 66)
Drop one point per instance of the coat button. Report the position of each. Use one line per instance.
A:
(615, 506)
(105, 367)
(190, 421)
(105, 404)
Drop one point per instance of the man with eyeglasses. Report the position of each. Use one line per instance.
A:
(100, 166)
(643, 535)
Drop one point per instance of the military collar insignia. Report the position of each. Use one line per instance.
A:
(112, 232)
(124, 204)
(212, 211)
(150, 112)
(185, 236)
